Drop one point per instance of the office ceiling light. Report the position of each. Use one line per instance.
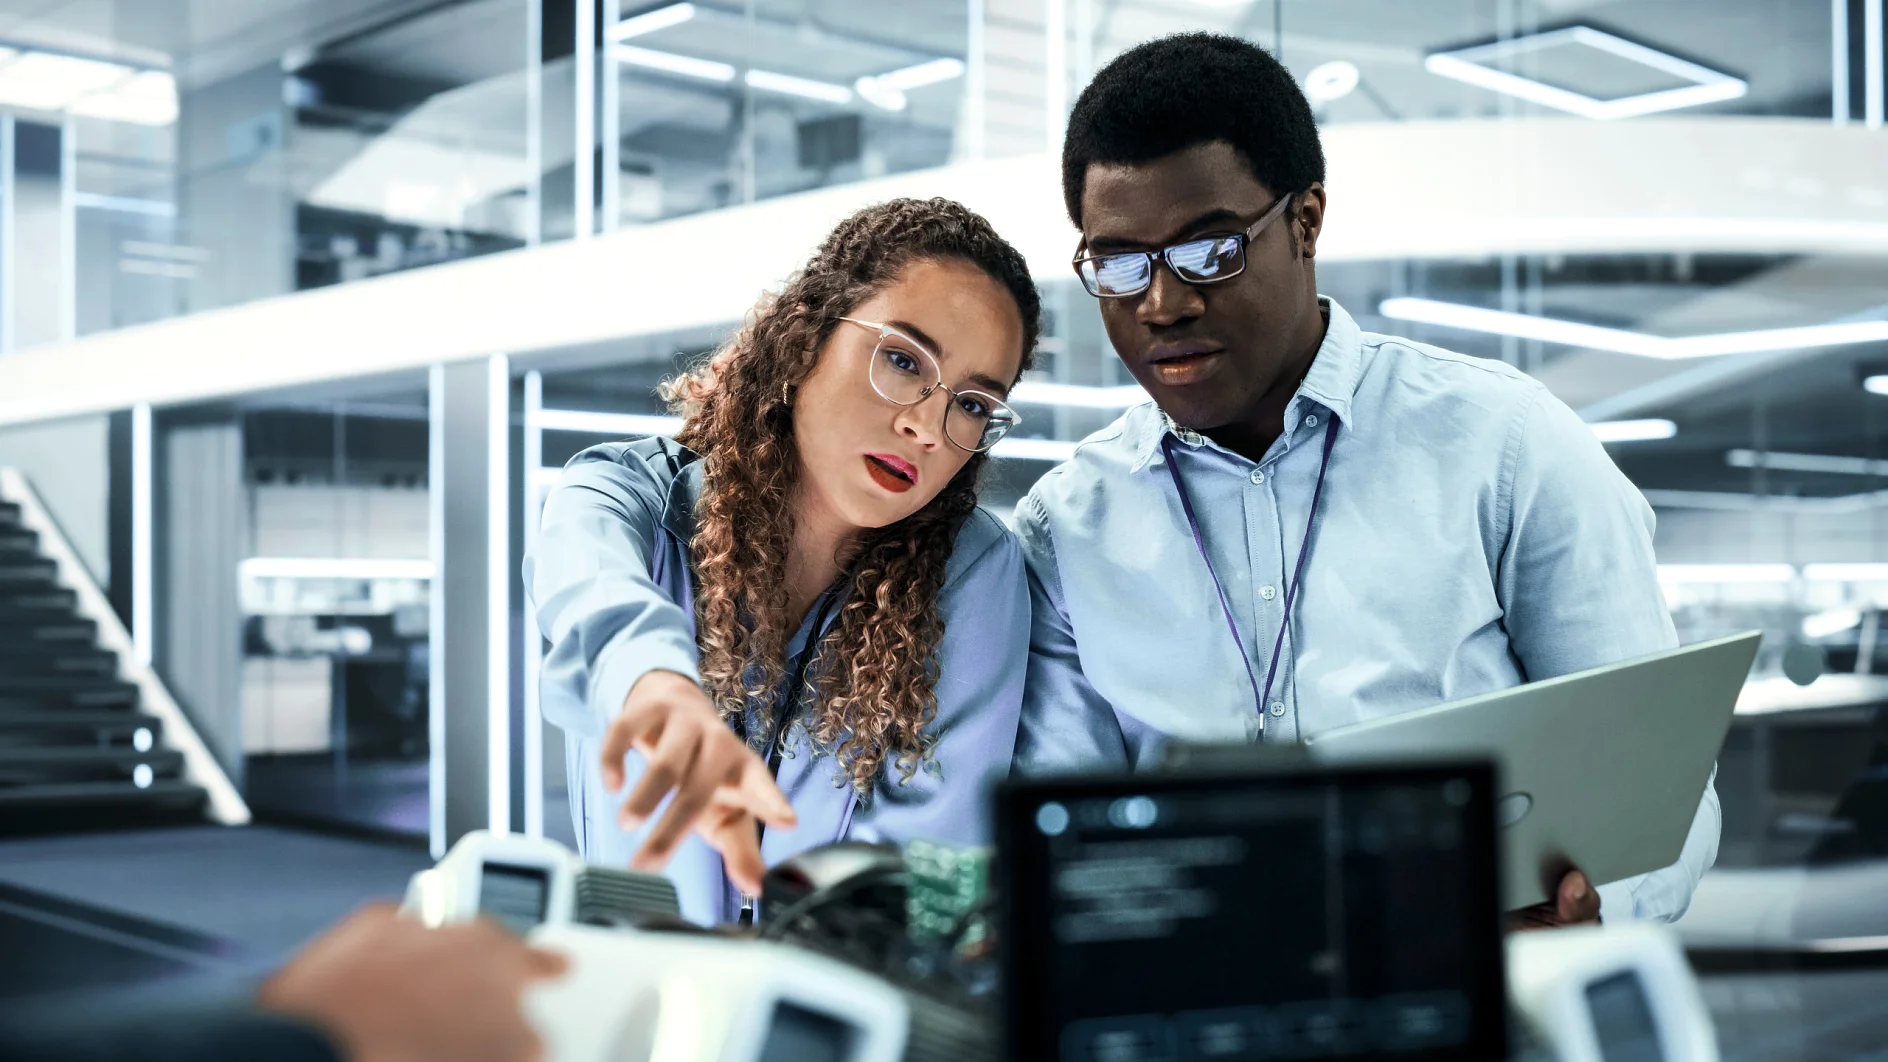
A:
(1726, 573)
(669, 62)
(43, 81)
(1469, 65)
(1846, 573)
(149, 98)
(1574, 334)
(1331, 81)
(1618, 431)
(651, 21)
(1077, 395)
(922, 74)
(332, 568)
(805, 88)
(876, 92)
(1876, 385)
(1832, 464)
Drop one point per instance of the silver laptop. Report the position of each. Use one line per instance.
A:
(1602, 769)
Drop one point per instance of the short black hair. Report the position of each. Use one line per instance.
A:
(1173, 93)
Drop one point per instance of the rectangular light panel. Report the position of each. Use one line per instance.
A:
(1468, 66)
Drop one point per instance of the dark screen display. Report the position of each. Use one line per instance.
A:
(1326, 915)
(1622, 1019)
(797, 1034)
(516, 896)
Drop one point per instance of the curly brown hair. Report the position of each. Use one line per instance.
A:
(877, 703)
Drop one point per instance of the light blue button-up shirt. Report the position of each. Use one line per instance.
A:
(610, 580)
(1473, 535)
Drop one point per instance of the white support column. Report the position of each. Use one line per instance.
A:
(143, 502)
(471, 641)
(498, 579)
(583, 162)
(8, 198)
(68, 232)
(437, 842)
(533, 656)
(1055, 73)
(534, 121)
(1839, 61)
(1873, 89)
(609, 121)
(975, 80)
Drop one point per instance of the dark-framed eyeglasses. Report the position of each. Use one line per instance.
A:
(1207, 260)
(904, 372)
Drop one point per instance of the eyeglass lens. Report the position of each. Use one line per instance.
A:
(1197, 261)
(904, 375)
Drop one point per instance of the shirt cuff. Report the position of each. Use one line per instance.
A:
(624, 665)
(1616, 903)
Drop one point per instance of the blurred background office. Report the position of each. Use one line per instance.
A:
(303, 302)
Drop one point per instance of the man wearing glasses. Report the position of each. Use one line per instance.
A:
(1311, 525)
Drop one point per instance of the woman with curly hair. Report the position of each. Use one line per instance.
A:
(794, 613)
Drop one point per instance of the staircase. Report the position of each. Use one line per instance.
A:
(82, 745)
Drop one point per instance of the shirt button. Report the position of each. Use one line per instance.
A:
(1311, 421)
(1268, 592)
(1278, 708)
(1258, 477)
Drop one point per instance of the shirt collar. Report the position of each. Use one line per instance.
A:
(1331, 382)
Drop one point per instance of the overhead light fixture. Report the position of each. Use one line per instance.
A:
(670, 63)
(887, 91)
(922, 74)
(42, 81)
(148, 98)
(1833, 464)
(879, 94)
(1469, 65)
(1331, 81)
(600, 423)
(1726, 573)
(1621, 341)
(1618, 431)
(1077, 395)
(1876, 385)
(332, 568)
(1846, 573)
(805, 88)
(650, 21)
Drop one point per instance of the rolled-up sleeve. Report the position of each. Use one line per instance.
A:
(1066, 725)
(1579, 589)
(607, 622)
(981, 663)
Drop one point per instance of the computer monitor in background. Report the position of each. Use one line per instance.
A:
(1327, 913)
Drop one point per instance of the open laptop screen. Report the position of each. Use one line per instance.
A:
(1315, 914)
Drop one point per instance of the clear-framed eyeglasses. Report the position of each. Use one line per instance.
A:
(904, 372)
(1207, 260)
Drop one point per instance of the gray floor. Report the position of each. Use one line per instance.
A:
(263, 889)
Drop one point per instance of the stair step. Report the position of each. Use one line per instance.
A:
(52, 632)
(19, 538)
(29, 572)
(20, 659)
(9, 514)
(53, 766)
(70, 806)
(78, 727)
(28, 602)
(56, 694)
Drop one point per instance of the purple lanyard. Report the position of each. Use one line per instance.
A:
(1291, 592)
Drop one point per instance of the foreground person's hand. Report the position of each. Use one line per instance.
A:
(1574, 903)
(389, 989)
(721, 787)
